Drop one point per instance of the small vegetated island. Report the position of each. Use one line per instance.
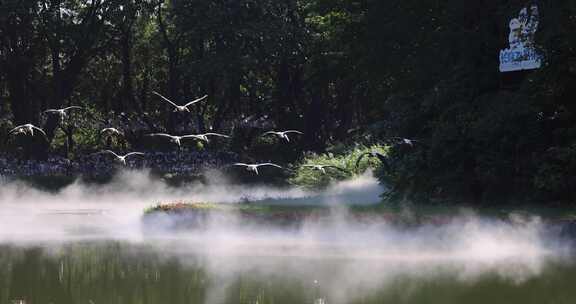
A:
(314, 175)
(191, 215)
(317, 172)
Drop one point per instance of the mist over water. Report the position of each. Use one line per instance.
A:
(338, 259)
(114, 210)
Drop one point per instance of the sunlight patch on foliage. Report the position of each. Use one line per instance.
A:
(310, 178)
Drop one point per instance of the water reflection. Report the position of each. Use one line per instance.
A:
(118, 272)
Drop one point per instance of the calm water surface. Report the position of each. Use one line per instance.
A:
(123, 272)
(86, 245)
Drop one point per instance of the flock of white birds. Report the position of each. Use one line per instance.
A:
(29, 129)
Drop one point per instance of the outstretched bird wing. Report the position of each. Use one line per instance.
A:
(293, 131)
(394, 140)
(195, 101)
(72, 107)
(15, 129)
(134, 153)
(40, 130)
(199, 137)
(51, 111)
(405, 140)
(269, 164)
(270, 133)
(240, 164)
(111, 130)
(166, 99)
(111, 152)
(217, 134)
(160, 135)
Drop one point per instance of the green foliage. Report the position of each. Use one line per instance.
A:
(484, 138)
(337, 70)
(85, 132)
(5, 127)
(556, 174)
(310, 178)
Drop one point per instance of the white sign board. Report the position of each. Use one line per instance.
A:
(522, 53)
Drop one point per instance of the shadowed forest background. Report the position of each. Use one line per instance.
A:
(345, 73)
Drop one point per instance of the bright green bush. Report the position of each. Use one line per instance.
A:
(311, 178)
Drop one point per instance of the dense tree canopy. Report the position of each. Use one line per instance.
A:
(340, 71)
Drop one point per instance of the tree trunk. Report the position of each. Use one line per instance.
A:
(314, 120)
(289, 89)
(127, 100)
(344, 109)
(65, 84)
(145, 87)
(173, 77)
(283, 96)
(19, 93)
(69, 130)
(173, 88)
(221, 108)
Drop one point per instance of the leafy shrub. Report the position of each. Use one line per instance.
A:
(555, 174)
(311, 178)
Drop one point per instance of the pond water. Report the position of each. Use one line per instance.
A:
(118, 272)
(88, 245)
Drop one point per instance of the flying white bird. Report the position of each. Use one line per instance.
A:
(254, 167)
(322, 168)
(27, 128)
(173, 138)
(111, 132)
(122, 158)
(61, 112)
(204, 137)
(183, 108)
(406, 141)
(282, 134)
